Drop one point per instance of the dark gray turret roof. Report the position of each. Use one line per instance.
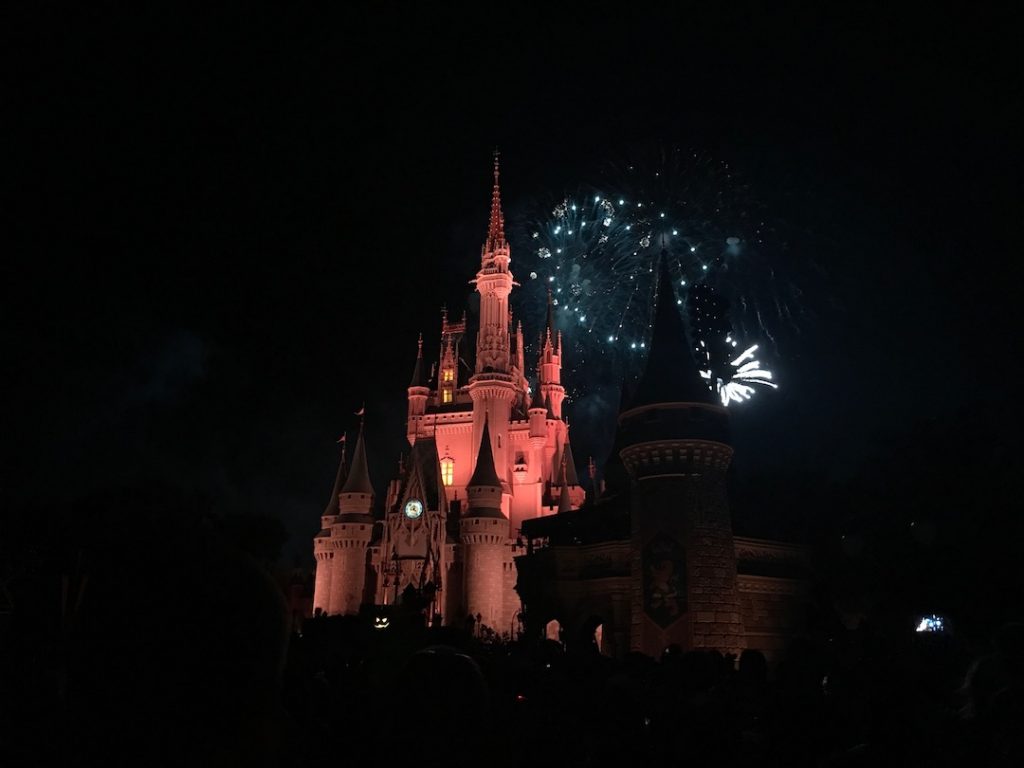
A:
(538, 398)
(671, 376)
(339, 481)
(571, 478)
(359, 476)
(419, 377)
(484, 474)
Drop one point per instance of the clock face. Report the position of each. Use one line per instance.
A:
(413, 508)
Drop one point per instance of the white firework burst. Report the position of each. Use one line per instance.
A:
(746, 374)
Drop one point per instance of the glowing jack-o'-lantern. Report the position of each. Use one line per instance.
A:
(381, 622)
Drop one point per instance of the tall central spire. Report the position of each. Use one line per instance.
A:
(496, 230)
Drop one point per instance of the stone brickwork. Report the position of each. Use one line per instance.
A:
(714, 601)
(348, 569)
(687, 511)
(324, 562)
(485, 551)
(510, 599)
(773, 611)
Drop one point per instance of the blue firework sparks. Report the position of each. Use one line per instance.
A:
(596, 252)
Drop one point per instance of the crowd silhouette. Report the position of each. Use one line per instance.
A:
(178, 649)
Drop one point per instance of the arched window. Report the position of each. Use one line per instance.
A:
(553, 630)
(447, 470)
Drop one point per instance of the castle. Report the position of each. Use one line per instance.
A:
(489, 523)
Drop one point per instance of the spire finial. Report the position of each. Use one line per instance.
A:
(550, 328)
(418, 379)
(496, 230)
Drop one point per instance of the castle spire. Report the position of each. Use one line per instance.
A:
(671, 376)
(358, 480)
(550, 326)
(569, 472)
(418, 379)
(538, 401)
(339, 481)
(496, 230)
(484, 475)
(564, 500)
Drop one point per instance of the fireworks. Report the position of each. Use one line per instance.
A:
(739, 380)
(596, 251)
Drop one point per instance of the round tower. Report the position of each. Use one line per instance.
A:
(549, 369)
(484, 534)
(322, 553)
(674, 441)
(350, 536)
(537, 415)
(322, 547)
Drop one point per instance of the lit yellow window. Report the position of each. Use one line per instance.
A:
(447, 470)
(446, 395)
(449, 375)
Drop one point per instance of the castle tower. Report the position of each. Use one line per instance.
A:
(494, 386)
(549, 369)
(451, 335)
(322, 551)
(418, 391)
(350, 535)
(537, 415)
(674, 442)
(484, 534)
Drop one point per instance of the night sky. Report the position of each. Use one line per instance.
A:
(228, 229)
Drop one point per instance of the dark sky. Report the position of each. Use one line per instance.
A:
(229, 228)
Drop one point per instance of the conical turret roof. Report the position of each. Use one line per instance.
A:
(538, 399)
(671, 376)
(359, 476)
(571, 477)
(419, 378)
(339, 481)
(564, 501)
(484, 474)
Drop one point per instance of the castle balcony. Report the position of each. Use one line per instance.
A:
(492, 376)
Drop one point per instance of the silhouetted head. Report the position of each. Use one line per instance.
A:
(753, 667)
(440, 701)
(178, 650)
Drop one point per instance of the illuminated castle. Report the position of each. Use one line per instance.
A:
(487, 521)
(487, 454)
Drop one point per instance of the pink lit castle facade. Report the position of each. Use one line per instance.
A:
(487, 454)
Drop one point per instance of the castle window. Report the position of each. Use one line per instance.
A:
(448, 375)
(447, 470)
(446, 395)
